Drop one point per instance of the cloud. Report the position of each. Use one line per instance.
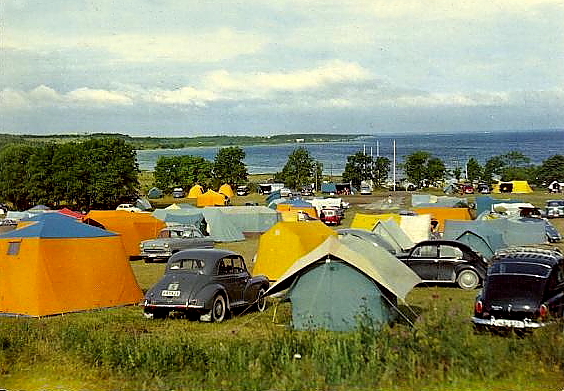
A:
(221, 44)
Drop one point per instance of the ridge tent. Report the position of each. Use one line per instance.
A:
(57, 265)
(275, 195)
(71, 213)
(342, 282)
(250, 219)
(514, 187)
(133, 227)
(195, 191)
(485, 203)
(391, 232)
(225, 189)
(285, 242)
(220, 226)
(477, 243)
(441, 214)
(211, 198)
(417, 228)
(369, 221)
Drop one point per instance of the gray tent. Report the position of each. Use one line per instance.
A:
(392, 233)
(250, 219)
(343, 281)
(154, 192)
(477, 243)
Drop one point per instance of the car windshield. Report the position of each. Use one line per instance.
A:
(189, 265)
(523, 268)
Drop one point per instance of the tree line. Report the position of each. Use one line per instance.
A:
(98, 173)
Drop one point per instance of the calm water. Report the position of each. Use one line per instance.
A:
(453, 149)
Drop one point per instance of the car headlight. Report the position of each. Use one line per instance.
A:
(166, 245)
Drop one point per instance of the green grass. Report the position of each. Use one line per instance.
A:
(117, 349)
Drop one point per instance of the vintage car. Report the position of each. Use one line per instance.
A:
(171, 240)
(552, 233)
(178, 192)
(523, 290)
(446, 261)
(242, 190)
(330, 216)
(207, 284)
(554, 208)
(128, 208)
(306, 191)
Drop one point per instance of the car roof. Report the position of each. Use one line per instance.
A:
(543, 256)
(454, 243)
(205, 254)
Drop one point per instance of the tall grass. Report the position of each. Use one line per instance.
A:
(441, 351)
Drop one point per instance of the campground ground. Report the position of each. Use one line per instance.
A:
(119, 349)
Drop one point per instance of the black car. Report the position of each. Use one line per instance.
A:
(524, 289)
(446, 261)
(208, 283)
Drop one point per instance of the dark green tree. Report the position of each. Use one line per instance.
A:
(299, 170)
(552, 169)
(229, 167)
(358, 168)
(457, 173)
(380, 170)
(493, 166)
(15, 180)
(474, 170)
(185, 171)
(436, 170)
(424, 169)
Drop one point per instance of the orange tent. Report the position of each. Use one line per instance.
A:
(195, 191)
(57, 265)
(133, 227)
(211, 198)
(442, 214)
(226, 190)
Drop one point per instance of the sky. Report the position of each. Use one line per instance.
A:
(250, 67)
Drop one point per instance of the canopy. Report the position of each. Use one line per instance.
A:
(56, 265)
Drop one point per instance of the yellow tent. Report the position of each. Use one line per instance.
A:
(58, 265)
(211, 198)
(515, 187)
(133, 227)
(225, 189)
(442, 214)
(283, 207)
(195, 191)
(369, 221)
(285, 242)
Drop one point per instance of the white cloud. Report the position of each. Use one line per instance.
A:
(218, 45)
(97, 97)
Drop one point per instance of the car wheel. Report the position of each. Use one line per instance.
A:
(261, 300)
(468, 279)
(219, 309)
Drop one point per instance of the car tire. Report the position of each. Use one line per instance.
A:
(260, 305)
(468, 279)
(219, 309)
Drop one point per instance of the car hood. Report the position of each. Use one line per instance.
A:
(513, 291)
(188, 284)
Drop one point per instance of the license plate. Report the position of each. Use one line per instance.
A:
(508, 323)
(170, 293)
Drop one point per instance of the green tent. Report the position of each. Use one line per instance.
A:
(343, 281)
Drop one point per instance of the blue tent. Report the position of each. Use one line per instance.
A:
(328, 188)
(484, 203)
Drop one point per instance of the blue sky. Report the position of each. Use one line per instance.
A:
(188, 68)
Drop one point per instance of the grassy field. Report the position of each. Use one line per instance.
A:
(118, 349)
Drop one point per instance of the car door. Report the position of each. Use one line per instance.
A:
(423, 260)
(231, 277)
(449, 257)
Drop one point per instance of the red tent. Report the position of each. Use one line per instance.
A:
(71, 213)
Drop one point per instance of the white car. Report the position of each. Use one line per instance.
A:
(128, 207)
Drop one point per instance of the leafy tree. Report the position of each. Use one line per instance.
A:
(299, 170)
(457, 173)
(513, 165)
(185, 171)
(229, 167)
(358, 168)
(474, 170)
(493, 166)
(552, 169)
(380, 170)
(436, 170)
(422, 168)
(14, 175)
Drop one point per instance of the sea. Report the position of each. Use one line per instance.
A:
(454, 149)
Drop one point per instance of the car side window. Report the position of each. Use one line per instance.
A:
(238, 265)
(450, 252)
(164, 234)
(426, 251)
